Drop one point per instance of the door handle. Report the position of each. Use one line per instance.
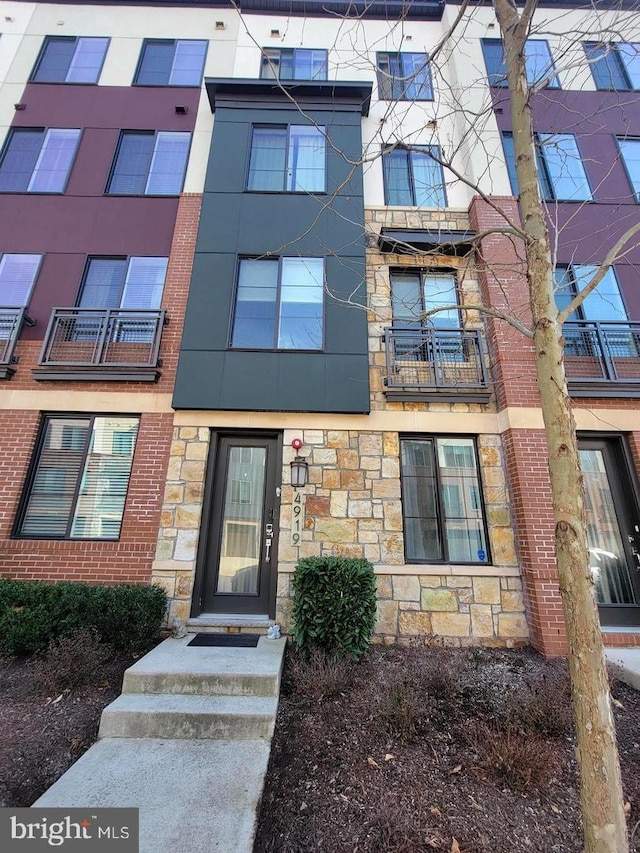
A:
(267, 550)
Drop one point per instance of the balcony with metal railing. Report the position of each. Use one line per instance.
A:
(602, 358)
(450, 364)
(101, 344)
(11, 322)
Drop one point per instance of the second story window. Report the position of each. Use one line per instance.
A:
(615, 66)
(127, 283)
(413, 177)
(17, 276)
(293, 64)
(561, 172)
(414, 293)
(603, 303)
(404, 77)
(36, 160)
(538, 63)
(290, 159)
(150, 163)
(70, 60)
(279, 304)
(171, 63)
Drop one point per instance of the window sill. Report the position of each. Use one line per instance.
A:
(604, 388)
(433, 394)
(76, 373)
(142, 195)
(287, 192)
(6, 371)
(61, 83)
(167, 85)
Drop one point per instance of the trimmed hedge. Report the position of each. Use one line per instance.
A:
(33, 613)
(334, 605)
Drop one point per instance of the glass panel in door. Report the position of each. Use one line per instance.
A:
(609, 560)
(242, 522)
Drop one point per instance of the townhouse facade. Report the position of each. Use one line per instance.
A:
(225, 227)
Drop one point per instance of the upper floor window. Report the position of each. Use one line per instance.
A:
(64, 59)
(36, 160)
(630, 151)
(615, 66)
(298, 63)
(441, 501)
(404, 77)
(279, 304)
(561, 172)
(126, 283)
(288, 159)
(150, 163)
(414, 176)
(171, 63)
(416, 292)
(79, 478)
(603, 303)
(18, 273)
(537, 58)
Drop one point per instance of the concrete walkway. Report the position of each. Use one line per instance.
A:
(626, 663)
(187, 743)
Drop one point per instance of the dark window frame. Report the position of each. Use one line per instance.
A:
(636, 139)
(36, 454)
(173, 42)
(498, 79)
(33, 283)
(547, 188)
(265, 61)
(575, 290)
(16, 131)
(154, 134)
(282, 126)
(420, 273)
(43, 50)
(613, 55)
(439, 500)
(275, 349)
(386, 81)
(126, 259)
(409, 149)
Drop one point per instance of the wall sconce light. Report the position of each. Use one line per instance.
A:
(275, 34)
(181, 110)
(19, 107)
(299, 467)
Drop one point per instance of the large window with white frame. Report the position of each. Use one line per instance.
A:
(442, 501)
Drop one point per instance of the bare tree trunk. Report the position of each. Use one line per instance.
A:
(603, 816)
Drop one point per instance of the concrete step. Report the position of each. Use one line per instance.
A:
(174, 667)
(136, 715)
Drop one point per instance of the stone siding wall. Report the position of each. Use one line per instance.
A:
(379, 295)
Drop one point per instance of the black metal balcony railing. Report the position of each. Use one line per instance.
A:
(602, 351)
(102, 337)
(11, 320)
(436, 360)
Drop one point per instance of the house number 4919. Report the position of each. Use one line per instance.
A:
(297, 519)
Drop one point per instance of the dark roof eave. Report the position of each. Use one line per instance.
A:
(359, 92)
(402, 241)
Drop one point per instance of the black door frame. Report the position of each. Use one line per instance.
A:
(625, 489)
(210, 528)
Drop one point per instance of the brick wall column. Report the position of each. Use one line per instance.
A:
(504, 285)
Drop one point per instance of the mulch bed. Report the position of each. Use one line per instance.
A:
(42, 733)
(419, 749)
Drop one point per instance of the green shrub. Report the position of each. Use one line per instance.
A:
(334, 605)
(34, 613)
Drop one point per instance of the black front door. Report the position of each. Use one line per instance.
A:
(240, 563)
(613, 530)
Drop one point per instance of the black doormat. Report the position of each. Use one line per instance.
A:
(229, 640)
